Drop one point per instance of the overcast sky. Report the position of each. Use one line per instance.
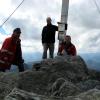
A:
(83, 22)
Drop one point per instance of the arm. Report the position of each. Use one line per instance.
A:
(72, 51)
(43, 30)
(56, 28)
(61, 49)
(5, 47)
(18, 53)
(43, 34)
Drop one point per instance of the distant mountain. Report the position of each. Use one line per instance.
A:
(32, 56)
(92, 60)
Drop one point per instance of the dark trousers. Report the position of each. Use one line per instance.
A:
(19, 64)
(2, 70)
(47, 46)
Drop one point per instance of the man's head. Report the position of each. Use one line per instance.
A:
(16, 33)
(67, 39)
(48, 20)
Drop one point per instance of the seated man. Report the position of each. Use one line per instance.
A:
(66, 47)
(11, 53)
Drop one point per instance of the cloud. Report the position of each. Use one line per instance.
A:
(39, 7)
(31, 17)
(83, 26)
(29, 29)
(83, 21)
(2, 30)
(84, 15)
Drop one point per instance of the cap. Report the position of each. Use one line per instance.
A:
(18, 30)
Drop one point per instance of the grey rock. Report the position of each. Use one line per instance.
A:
(34, 81)
(93, 94)
(63, 88)
(18, 94)
(59, 77)
(93, 74)
(88, 85)
(69, 67)
(72, 70)
(7, 82)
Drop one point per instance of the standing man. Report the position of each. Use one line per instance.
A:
(48, 38)
(11, 52)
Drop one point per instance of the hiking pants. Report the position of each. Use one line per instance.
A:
(47, 46)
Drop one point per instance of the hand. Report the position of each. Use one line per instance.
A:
(22, 61)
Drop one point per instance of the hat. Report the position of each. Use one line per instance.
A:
(18, 30)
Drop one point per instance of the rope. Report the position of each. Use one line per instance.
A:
(97, 5)
(11, 14)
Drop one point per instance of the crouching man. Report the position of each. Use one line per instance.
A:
(66, 47)
(11, 52)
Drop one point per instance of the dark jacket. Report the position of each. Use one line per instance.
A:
(18, 54)
(48, 33)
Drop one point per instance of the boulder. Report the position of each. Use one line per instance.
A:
(18, 94)
(88, 85)
(93, 94)
(7, 82)
(72, 68)
(63, 88)
(62, 76)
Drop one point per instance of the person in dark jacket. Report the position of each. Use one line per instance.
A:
(18, 60)
(66, 47)
(11, 52)
(48, 38)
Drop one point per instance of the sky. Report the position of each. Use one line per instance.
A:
(83, 22)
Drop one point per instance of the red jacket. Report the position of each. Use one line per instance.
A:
(70, 49)
(7, 53)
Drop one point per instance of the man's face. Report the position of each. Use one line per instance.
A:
(67, 40)
(48, 20)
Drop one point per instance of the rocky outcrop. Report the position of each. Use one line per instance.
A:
(7, 82)
(93, 94)
(88, 85)
(70, 69)
(63, 88)
(60, 77)
(18, 94)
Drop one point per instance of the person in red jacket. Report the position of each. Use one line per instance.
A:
(11, 52)
(66, 47)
